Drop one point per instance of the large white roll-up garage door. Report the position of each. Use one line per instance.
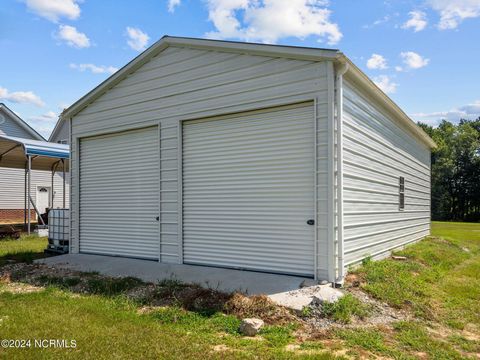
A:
(248, 190)
(119, 194)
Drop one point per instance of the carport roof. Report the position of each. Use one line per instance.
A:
(14, 152)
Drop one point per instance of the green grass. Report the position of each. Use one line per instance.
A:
(372, 340)
(440, 283)
(345, 308)
(439, 280)
(105, 324)
(413, 336)
(26, 249)
(112, 327)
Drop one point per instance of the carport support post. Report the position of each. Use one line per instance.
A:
(54, 170)
(25, 199)
(29, 169)
(63, 167)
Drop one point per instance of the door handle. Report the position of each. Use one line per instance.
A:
(157, 218)
(311, 222)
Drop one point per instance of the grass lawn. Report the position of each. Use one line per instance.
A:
(438, 285)
(25, 250)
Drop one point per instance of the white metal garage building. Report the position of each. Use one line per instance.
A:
(225, 154)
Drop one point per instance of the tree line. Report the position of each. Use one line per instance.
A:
(455, 170)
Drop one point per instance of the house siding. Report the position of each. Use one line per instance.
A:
(377, 151)
(183, 84)
(62, 133)
(12, 187)
(12, 128)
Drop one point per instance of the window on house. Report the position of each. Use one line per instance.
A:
(401, 193)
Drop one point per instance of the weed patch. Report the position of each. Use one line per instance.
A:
(344, 309)
(112, 286)
(62, 282)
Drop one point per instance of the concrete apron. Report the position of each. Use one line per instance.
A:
(282, 289)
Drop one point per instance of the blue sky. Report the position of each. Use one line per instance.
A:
(423, 53)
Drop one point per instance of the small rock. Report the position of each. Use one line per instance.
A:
(324, 282)
(326, 294)
(394, 257)
(308, 283)
(251, 327)
(467, 250)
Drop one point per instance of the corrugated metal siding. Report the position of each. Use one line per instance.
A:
(376, 153)
(181, 84)
(119, 194)
(248, 184)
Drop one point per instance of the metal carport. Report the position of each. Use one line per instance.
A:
(33, 155)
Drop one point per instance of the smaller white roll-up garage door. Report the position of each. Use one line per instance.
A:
(248, 190)
(119, 194)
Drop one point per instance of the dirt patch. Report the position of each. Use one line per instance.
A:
(221, 348)
(20, 288)
(471, 332)
(354, 280)
(259, 306)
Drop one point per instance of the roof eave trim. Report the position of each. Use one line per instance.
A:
(166, 41)
(377, 93)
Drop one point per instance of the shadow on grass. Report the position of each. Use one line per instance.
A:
(22, 257)
(26, 249)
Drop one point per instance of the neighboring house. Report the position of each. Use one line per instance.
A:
(60, 133)
(225, 154)
(12, 181)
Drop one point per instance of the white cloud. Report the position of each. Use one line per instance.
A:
(383, 20)
(95, 69)
(271, 20)
(377, 61)
(413, 60)
(73, 37)
(417, 21)
(137, 39)
(172, 4)
(385, 84)
(49, 116)
(53, 10)
(469, 111)
(453, 12)
(21, 97)
(398, 68)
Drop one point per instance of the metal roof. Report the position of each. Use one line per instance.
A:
(14, 152)
(294, 52)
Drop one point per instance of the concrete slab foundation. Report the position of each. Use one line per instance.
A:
(285, 290)
(250, 282)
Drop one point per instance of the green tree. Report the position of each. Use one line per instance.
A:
(455, 170)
